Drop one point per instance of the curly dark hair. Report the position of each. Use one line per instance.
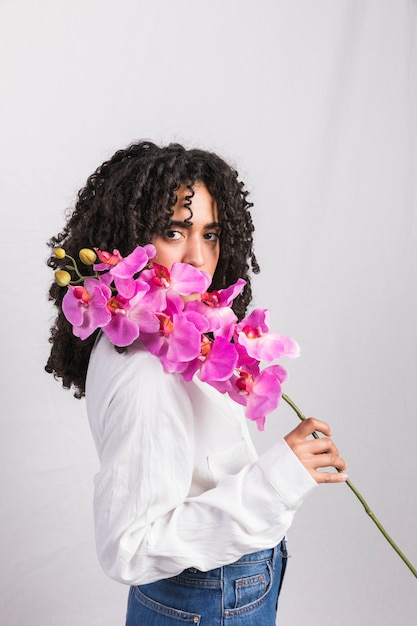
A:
(126, 202)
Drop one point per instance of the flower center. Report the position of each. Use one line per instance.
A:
(82, 294)
(166, 326)
(244, 383)
(211, 298)
(116, 305)
(251, 332)
(162, 276)
(205, 347)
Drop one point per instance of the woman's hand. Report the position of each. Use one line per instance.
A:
(315, 454)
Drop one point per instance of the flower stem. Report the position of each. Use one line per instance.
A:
(74, 267)
(360, 497)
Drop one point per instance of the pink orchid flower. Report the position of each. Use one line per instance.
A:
(223, 297)
(121, 330)
(216, 307)
(86, 307)
(186, 279)
(129, 317)
(216, 361)
(177, 341)
(172, 312)
(124, 271)
(260, 392)
(253, 333)
(220, 360)
(182, 280)
(107, 259)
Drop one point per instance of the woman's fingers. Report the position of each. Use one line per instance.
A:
(311, 424)
(329, 477)
(316, 454)
(306, 428)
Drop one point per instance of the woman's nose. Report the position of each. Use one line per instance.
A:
(193, 253)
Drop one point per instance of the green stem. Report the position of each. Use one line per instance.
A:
(360, 497)
(74, 267)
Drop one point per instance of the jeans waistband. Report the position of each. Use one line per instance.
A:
(270, 554)
(261, 555)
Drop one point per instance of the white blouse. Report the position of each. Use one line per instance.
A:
(180, 484)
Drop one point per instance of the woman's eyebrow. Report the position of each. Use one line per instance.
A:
(180, 224)
(187, 224)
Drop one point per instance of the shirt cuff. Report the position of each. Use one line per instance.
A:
(288, 476)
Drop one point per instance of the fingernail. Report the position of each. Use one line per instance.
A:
(344, 476)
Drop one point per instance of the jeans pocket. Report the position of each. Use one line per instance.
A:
(252, 585)
(250, 589)
(144, 610)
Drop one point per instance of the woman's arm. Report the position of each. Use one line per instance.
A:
(147, 525)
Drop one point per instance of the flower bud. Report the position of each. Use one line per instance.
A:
(60, 253)
(87, 256)
(62, 278)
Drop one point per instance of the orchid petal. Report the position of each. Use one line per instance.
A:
(271, 347)
(185, 343)
(253, 333)
(259, 318)
(89, 313)
(187, 279)
(190, 369)
(134, 262)
(200, 322)
(121, 330)
(229, 294)
(143, 317)
(221, 319)
(264, 397)
(220, 362)
(107, 259)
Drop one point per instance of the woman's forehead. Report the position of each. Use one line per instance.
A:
(196, 203)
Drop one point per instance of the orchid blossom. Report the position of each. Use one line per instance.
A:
(85, 307)
(259, 391)
(123, 269)
(253, 333)
(182, 280)
(107, 259)
(216, 307)
(131, 298)
(216, 361)
(128, 319)
(177, 340)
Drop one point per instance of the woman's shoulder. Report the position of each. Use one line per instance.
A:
(108, 365)
(104, 350)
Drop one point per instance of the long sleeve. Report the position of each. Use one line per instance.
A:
(179, 488)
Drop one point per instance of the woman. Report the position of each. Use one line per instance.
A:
(185, 511)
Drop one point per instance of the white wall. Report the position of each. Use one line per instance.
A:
(315, 101)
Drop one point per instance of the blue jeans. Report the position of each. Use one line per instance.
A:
(244, 593)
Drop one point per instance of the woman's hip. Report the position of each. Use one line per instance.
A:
(245, 592)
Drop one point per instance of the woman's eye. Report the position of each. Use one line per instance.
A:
(173, 234)
(211, 236)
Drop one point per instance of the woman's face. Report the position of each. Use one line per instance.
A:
(196, 242)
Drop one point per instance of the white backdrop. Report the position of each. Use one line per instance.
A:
(315, 102)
